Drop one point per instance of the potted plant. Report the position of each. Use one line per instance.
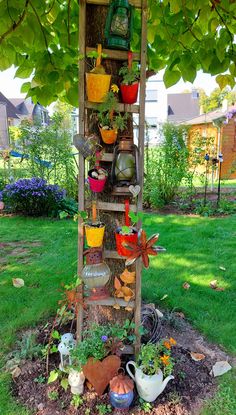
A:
(153, 363)
(97, 179)
(94, 228)
(130, 81)
(127, 233)
(110, 121)
(97, 81)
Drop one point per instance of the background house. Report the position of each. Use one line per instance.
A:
(27, 110)
(221, 125)
(182, 107)
(7, 117)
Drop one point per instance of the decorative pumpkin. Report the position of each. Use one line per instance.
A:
(121, 391)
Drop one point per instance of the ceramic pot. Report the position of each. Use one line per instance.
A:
(108, 136)
(94, 235)
(148, 387)
(96, 185)
(97, 86)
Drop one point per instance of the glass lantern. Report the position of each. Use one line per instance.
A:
(96, 274)
(119, 25)
(125, 166)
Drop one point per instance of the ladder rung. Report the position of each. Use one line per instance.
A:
(113, 255)
(135, 3)
(120, 107)
(114, 207)
(115, 54)
(110, 301)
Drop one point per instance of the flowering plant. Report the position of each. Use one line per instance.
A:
(154, 357)
(101, 341)
(33, 196)
(107, 115)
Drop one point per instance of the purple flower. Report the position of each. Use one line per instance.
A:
(104, 339)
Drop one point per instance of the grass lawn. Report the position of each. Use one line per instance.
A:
(196, 248)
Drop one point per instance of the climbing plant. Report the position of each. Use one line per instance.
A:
(40, 37)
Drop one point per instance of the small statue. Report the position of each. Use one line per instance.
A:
(76, 381)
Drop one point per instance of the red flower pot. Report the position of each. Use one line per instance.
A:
(120, 239)
(96, 185)
(129, 93)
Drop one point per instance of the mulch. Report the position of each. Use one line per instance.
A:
(184, 395)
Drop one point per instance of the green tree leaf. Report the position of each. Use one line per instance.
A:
(53, 376)
(171, 77)
(64, 384)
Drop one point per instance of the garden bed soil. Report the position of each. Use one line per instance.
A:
(184, 395)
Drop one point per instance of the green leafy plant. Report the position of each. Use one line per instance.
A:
(40, 379)
(27, 347)
(53, 395)
(108, 116)
(76, 283)
(154, 357)
(135, 218)
(76, 401)
(130, 75)
(145, 406)
(100, 341)
(103, 409)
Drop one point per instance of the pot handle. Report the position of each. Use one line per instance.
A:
(99, 51)
(128, 369)
(130, 59)
(127, 220)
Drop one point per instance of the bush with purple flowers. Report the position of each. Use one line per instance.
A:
(33, 197)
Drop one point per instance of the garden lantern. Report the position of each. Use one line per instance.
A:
(96, 274)
(65, 348)
(125, 166)
(119, 25)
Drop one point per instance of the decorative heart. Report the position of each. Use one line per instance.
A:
(99, 373)
(134, 189)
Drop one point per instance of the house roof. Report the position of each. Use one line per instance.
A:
(11, 109)
(209, 117)
(182, 107)
(23, 106)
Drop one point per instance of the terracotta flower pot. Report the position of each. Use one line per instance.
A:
(122, 239)
(129, 93)
(108, 136)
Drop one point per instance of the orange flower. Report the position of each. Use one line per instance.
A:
(172, 341)
(165, 360)
(167, 345)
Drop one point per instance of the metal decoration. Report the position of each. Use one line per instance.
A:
(119, 25)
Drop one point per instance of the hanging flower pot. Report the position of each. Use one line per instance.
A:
(97, 179)
(129, 93)
(130, 81)
(97, 81)
(108, 136)
(125, 234)
(94, 232)
(122, 238)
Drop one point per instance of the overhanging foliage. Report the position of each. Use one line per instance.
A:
(40, 37)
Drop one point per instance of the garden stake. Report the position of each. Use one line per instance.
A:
(220, 163)
(207, 158)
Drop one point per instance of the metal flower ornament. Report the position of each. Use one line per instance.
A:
(143, 248)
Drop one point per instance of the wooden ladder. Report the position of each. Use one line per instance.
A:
(108, 157)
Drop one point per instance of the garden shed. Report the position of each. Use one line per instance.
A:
(221, 126)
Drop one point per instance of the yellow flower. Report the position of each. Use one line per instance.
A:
(165, 360)
(172, 341)
(114, 88)
(167, 345)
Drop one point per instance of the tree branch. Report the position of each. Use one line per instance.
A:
(196, 18)
(15, 24)
(226, 26)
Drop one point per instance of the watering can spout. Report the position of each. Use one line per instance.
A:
(165, 381)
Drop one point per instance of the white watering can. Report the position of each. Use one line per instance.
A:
(149, 386)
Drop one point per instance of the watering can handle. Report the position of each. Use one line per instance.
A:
(99, 51)
(94, 210)
(128, 369)
(127, 220)
(130, 58)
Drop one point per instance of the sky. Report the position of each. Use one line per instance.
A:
(10, 87)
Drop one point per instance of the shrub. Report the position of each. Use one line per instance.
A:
(33, 197)
(166, 166)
